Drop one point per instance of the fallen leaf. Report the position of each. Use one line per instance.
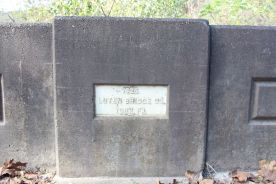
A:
(159, 182)
(240, 176)
(207, 181)
(190, 175)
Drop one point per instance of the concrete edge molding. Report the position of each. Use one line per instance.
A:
(120, 180)
(136, 19)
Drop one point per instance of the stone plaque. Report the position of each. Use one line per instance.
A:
(131, 100)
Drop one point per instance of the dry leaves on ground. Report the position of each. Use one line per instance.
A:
(265, 175)
(12, 172)
(15, 173)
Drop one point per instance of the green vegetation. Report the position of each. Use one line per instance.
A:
(235, 12)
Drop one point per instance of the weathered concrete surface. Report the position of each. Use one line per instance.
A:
(242, 103)
(91, 51)
(27, 133)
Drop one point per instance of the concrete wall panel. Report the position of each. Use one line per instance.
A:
(242, 97)
(27, 129)
(90, 51)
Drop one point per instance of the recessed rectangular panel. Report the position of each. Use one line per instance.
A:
(131, 100)
(263, 101)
